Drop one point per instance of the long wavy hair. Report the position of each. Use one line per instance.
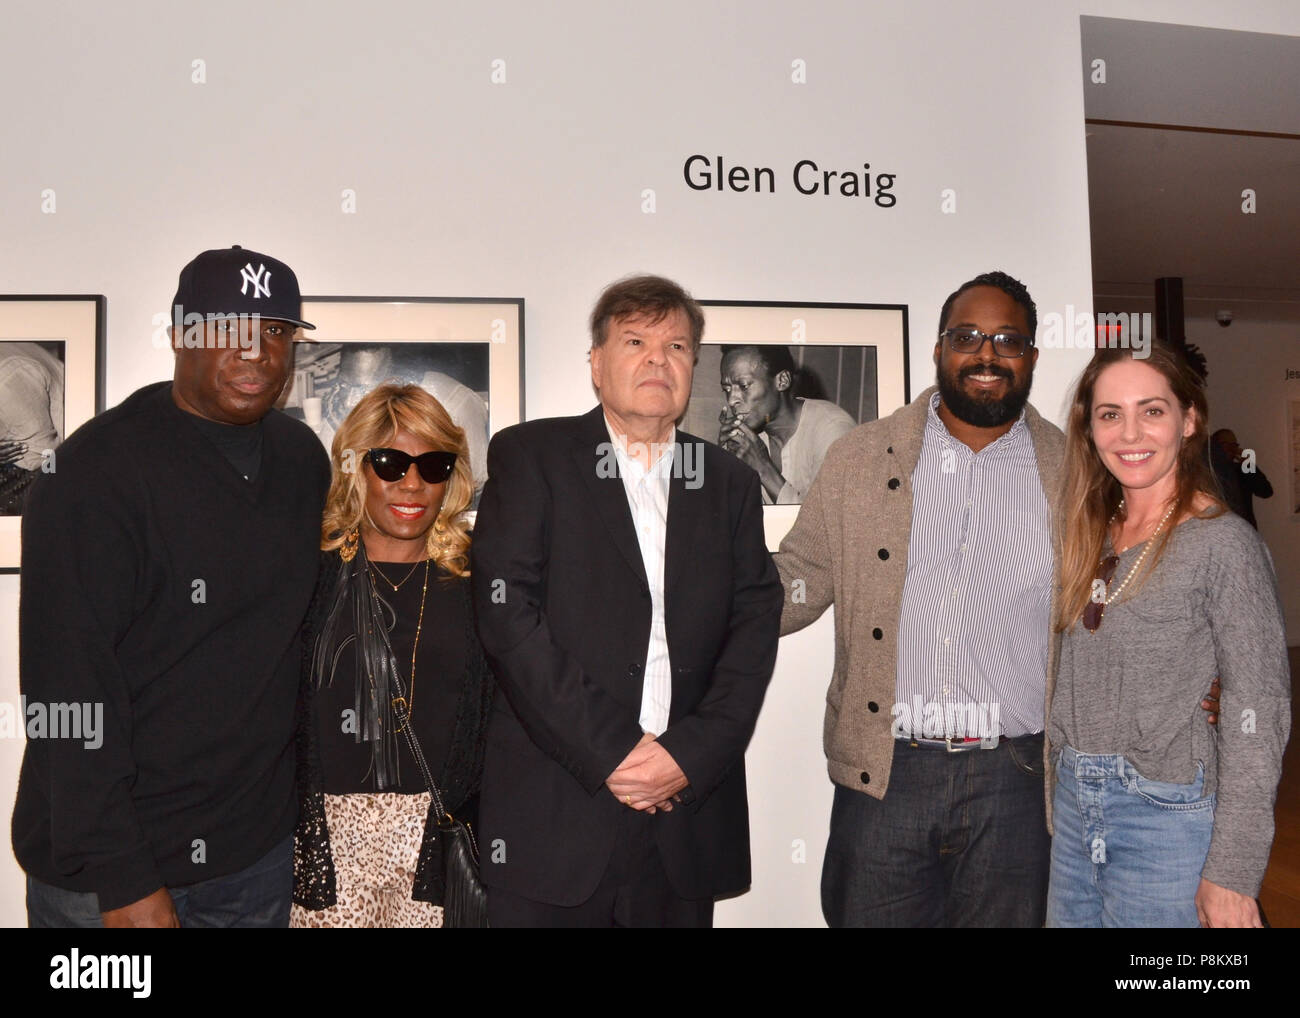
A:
(373, 423)
(1091, 493)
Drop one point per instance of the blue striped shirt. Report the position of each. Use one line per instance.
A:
(974, 626)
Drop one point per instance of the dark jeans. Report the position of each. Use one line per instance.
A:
(257, 896)
(960, 839)
(633, 893)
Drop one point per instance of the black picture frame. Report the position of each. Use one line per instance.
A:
(850, 362)
(452, 346)
(63, 338)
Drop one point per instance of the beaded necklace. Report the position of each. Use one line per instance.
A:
(1112, 597)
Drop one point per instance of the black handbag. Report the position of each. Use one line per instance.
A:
(465, 898)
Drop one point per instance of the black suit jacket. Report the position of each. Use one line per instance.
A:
(563, 609)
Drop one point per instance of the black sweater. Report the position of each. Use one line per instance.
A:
(160, 584)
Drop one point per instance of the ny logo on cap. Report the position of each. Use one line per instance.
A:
(261, 280)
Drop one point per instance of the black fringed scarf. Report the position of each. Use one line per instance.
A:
(377, 680)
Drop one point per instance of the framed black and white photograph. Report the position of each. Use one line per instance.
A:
(776, 384)
(51, 382)
(466, 351)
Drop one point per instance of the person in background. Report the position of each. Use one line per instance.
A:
(1240, 479)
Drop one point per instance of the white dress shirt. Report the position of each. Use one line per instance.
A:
(647, 497)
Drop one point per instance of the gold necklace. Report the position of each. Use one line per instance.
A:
(395, 586)
(408, 706)
(1110, 598)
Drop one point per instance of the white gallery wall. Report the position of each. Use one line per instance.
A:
(534, 187)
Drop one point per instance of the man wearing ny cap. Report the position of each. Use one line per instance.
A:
(167, 565)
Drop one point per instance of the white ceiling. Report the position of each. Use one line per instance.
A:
(1198, 77)
(1169, 202)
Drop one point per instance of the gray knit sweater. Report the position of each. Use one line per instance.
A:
(1134, 686)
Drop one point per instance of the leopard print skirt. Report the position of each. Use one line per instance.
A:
(375, 842)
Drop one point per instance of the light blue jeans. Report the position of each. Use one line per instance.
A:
(1127, 851)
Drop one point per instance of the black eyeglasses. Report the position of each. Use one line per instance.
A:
(1005, 344)
(392, 464)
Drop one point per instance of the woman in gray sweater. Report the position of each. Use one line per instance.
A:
(1160, 820)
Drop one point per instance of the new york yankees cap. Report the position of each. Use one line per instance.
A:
(233, 280)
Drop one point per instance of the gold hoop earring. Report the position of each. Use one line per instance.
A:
(348, 549)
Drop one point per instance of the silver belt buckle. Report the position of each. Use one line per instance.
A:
(966, 745)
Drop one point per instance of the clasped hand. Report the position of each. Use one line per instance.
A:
(648, 778)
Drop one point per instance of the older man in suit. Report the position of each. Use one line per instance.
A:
(630, 609)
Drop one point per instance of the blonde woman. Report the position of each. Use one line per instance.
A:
(389, 640)
(1158, 819)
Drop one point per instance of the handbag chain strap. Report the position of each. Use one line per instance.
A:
(401, 713)
(404, 725)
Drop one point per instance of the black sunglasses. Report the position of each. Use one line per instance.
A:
(392, 464)
(1096, 609)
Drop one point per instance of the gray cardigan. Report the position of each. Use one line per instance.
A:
(849, 548)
